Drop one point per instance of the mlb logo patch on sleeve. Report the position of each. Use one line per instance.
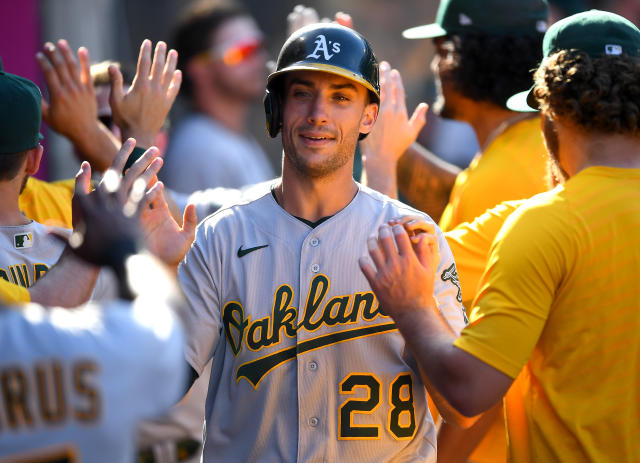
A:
(23, 240)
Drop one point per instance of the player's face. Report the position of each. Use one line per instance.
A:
(238, 59)
(441, 66)
(556, 172)
(322, 116)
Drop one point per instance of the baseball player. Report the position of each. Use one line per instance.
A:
(558, 308)
(307, 366)
(74, 384)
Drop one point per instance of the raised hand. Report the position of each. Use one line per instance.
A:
(302, 16)
(72, 110)
(392, 133)
(163, 236)
(141, 111)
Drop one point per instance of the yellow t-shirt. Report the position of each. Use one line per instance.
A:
(470, 243)
(513, 166)
(48, 203)
(560, 300)
(12, 294)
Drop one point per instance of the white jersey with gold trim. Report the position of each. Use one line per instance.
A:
(306, 366)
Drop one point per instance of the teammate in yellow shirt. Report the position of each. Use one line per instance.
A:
(512, 167)
(559, 303)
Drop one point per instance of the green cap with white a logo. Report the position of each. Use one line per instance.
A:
(598, 33)
(495, 17)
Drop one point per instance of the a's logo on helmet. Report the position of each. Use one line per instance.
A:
(323, 46)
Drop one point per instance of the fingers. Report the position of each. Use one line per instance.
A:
(50, 74)
(153, 196)
(344, 19)
(190, 221)
(419, 118)
(375, 252)
(414, 224)
(70, 62)
(115, 79)
(158, 65)
(121, 158)
(427, 251)
(59, 65)
(85, 69)
(83, 180)
(398, 98)
(174, 87)
(366, 265)
(402, 240)
(144, 61)
(139, 170)
(169, 69)
(385, 83)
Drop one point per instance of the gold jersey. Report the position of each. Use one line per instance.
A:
(513, 166)
(559, 305)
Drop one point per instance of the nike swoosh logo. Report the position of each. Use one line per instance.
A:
(244, 252)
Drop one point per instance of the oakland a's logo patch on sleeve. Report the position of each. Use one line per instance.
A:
(451, 274)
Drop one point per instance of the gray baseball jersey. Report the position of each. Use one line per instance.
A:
(28, 252)
(306, 366)
(74, 383)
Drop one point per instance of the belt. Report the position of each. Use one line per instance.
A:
(185, 449)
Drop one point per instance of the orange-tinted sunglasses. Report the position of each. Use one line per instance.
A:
(236, 53)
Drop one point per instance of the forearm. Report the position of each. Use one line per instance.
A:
(426, 180)
(380, 177)
(71, 273)
(98, 146)
(455, 445)
(466, 383)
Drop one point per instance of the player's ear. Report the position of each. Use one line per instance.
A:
(369, 116)
(33, 159)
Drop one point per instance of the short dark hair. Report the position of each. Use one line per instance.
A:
(598, 94)
(10, 165)
(492, 68)
(193, 32)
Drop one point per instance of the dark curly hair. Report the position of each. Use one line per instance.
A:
(598, 94)
(492, 68)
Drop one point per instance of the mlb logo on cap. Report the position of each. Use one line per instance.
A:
(612, 49)
(23, 240)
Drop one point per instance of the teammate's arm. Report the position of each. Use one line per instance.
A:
(72, 109)
(403, 282)
(425, 180)
(391, 135)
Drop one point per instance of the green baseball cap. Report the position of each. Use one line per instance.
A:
(20, 113)
(598, 33)
(498, 17)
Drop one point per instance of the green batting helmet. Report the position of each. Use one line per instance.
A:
(322, 47)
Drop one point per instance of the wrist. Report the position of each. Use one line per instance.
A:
(142, 137)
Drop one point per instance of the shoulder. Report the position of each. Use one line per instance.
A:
(376, 200)
(252, 204)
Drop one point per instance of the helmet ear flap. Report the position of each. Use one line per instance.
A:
(272, 113)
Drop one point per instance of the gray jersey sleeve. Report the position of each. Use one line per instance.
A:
(202, 317)
(447, 290)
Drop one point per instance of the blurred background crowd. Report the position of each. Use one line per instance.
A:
(114, 29)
